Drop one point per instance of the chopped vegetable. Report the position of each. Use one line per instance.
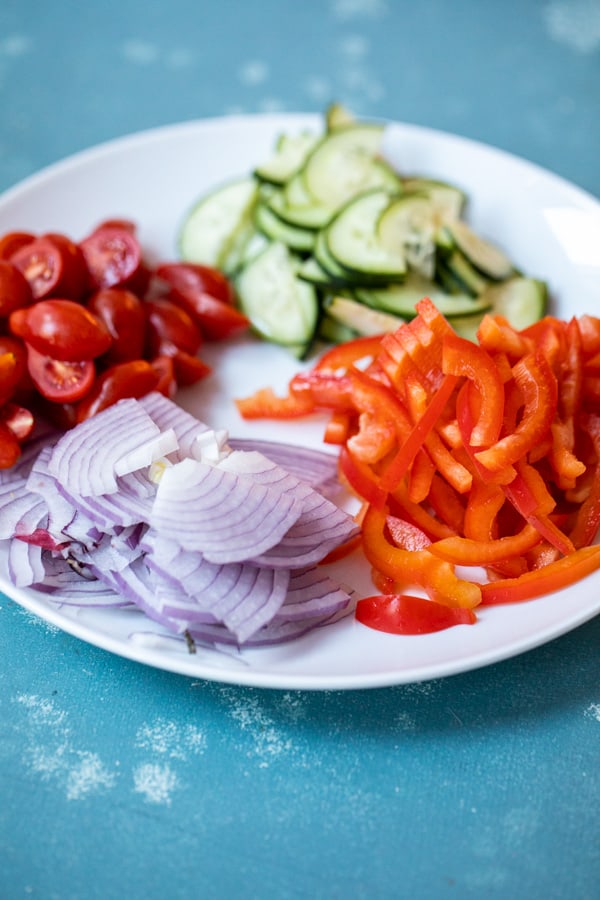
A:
(219, 543)
(364, 243)
(85, 324)
(480, 455)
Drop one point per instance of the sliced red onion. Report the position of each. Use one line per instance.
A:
(86, 458)
(212, 511)
(311, 593)
(315, 467)
(167, 414)
(25, 563)
(15, 501)
(166, 518)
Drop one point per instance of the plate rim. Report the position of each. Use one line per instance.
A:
(42, 606)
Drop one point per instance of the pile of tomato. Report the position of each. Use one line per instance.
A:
(86, 323)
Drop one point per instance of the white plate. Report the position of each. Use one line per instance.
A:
(551, 229)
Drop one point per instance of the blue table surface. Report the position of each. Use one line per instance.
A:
(119, 780)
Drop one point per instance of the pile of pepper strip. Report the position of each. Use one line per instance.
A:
(465, 453)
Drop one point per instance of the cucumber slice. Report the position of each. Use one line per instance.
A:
(401, 299)
(337, 116)
(337, 274)
(335, 332)
(521, 300)
(482, 254)
(289, 156)
(281, 307)
(466, 276)
(300, 211)
(312, 271)
(219, 224)
(345, 163)
(467, 326)
(267, 221)
(410, 223)
(449, 200)
(353, 240)
(360, 318)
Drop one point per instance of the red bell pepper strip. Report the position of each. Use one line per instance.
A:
(540, 391)
(399, 466)
(553, 577)
(437, 577)
(467, 552)
(408, 614)
(464, 358)
(266, 404)
(343, 356)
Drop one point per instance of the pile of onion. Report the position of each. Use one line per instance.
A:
(217, 541)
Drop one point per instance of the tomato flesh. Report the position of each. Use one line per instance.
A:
(61, 380)
(113, 256)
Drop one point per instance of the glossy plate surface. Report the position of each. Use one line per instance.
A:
(550, 228)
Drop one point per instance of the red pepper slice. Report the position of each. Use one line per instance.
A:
(464, 358)
(540, 391)
(437, 577)
(266, 404)
(553, 577)
(408, 614)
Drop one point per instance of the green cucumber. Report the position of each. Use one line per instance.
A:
(401, 299)
(353, 239)
(267, 221)
(521, 300)
(297, 208)
(484, 256)
(218, 225)
(464, 274)
(282, 308)
(288, 158)
(346, 162)
(410, 223)
(360, 318)
(448, 199)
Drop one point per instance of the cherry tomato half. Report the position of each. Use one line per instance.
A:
(166, 321)
(165, 369)
(113, 256)
(188, 368)
(60, 380)
(19, 419)
(15, 291)
(50, 267)
(13, 241)
(10, 449)
(61, 329)
(14, 345)
(129, 379)
(217, 320)
(75, 279)
(9, 376)
(123, 315)
(197, 278)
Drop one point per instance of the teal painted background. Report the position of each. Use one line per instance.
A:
(119, 781)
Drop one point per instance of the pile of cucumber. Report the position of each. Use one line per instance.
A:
(327, 241)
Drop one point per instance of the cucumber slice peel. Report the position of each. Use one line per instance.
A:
(218, 223)
(281, 307)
